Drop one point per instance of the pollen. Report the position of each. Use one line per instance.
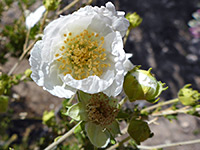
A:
(82, 55)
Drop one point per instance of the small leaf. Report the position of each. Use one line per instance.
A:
(84, 97)
(114, 128)
(3, 103)
(57, 138)
(139, 130)
(98, 136)
(77, 112)
(79, 128)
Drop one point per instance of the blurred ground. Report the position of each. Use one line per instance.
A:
(162, 42)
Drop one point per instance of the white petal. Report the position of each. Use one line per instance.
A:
(34, 17)
(105, 21)
(46, 75)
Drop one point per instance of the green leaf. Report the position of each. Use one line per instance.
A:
(122, 115)
(79, 128)
(84, 97)
(98, 136)
(77, 112)
(139, 130)
(3, 103)
(113, 128)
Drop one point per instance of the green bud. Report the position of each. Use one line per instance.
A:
(28, 73)
(51, 4)
(188, 96)
(134, 19)
(142, 85)
(47, 117)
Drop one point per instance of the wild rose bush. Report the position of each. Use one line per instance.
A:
(80, 57)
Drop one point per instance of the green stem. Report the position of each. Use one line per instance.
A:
(127, 34)
(71, 99)
(159, 105)
(66, 135)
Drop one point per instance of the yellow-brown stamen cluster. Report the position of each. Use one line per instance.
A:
(82, 55)
(100, 111)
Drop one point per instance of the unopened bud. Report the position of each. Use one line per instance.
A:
(134, 19)
(142, 85)
(51, 4)
(28, 72)
(188, 96)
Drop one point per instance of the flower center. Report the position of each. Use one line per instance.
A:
(100, 111)
(82, 55)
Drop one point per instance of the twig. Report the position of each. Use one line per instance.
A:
(170, 112)
(159, 105)
(120, 143)
(121, 103)
(169, 145)
(66, 135)
(89, 2)
(22, 57)
(43, 21)
(68, 7)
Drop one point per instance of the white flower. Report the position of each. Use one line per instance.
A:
(34, 17)
(82, 51)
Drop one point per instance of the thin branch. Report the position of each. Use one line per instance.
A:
(171, 112)
(60, 140)
(159, 105)
(89, 2)
(67, 7)
(121, 103)
(119, 144)
(22, 57)
(43, 21)
(170, 145)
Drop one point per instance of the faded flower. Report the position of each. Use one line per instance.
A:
(98, 111)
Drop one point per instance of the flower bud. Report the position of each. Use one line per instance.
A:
(28, 72)
(51, 4)
(188, 96)
(134, 19)
(47, 117)
(142, 85)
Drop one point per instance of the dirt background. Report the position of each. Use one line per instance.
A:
(162, 42)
